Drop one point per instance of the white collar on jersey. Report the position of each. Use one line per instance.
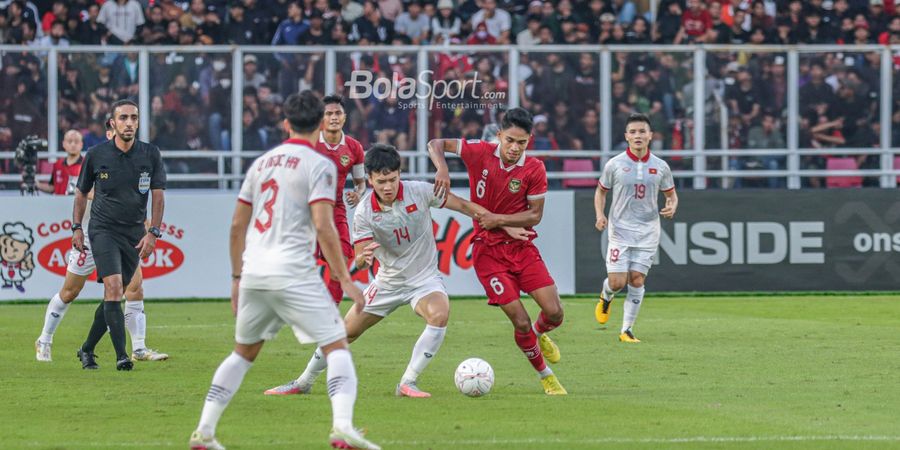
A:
(520, 162)
(330, 147)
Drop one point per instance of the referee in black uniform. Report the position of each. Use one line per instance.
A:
(122, 172)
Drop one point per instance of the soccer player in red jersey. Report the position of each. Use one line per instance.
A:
(347, 155)
(512, 186)
(65, 170)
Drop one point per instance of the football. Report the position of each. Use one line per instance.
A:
(474, 377)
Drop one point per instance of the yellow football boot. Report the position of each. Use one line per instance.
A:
(602, 310)
(552, 386)
(549, 349)
(628, 336)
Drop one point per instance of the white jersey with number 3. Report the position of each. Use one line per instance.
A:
(635, 185)
(408, 253)
(280, 186)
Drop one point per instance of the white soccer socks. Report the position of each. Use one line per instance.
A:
(136, 323)
(608, 293)
(632, 306)
(317, 364)
(225, 383)
(423, 352)
(341, 387)
(56, 309)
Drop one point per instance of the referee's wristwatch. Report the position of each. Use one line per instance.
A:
(155, 232)
(76, 227)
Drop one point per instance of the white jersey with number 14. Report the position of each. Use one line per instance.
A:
(635, 184)
(280, 186)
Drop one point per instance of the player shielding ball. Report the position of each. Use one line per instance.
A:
(347, 155)
(284, 208)
(511, 185)
(635, 178)
(393, 225)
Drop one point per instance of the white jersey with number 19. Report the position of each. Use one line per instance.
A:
(281, 239)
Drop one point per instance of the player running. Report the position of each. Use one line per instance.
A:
(636, 177)
(347, 154)
(80, 266)
(512, 185)
(285, 206)
(393, 225)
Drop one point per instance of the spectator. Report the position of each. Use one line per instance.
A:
(446, 25)
(481, 36)
(497, 21)
(607, 23)
(816, 92)
(392, 123)
(194, 17)
(667, 29)
(413, 23)
(371, 27)
(390, 9)
(316, 34)
(122, 17)
(638, 32)
(59, 12)
(92, 32)
(759, 18)
(57, 36)
(241, 31)
(813, 32)
(767, 136)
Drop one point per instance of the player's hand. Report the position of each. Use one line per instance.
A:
(669, 211)
(441, 183)
(368, 253)
(146, 246)
(519, 233)
(235, 289)
(78, 241)
(601, 223)
(352, 198)
(489, 221)
(352, 291)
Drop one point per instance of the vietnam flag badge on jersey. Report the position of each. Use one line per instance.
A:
(411, 209)
(652, 171)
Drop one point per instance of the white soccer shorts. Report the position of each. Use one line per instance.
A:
(81, 264)
(382, 301)
(305, 306)
(622, 259)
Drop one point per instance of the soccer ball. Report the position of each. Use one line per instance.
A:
(474, 377)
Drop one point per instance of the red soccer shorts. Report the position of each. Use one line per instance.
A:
(334, 286)
(505, 269)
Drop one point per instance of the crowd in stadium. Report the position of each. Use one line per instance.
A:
(191, 92)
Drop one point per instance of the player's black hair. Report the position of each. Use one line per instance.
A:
(334, 99)
(120, 103)
(383, 159)
(517, 117)
(304, 111)
(638, 117)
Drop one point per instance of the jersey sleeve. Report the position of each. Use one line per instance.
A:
(605, 181)
(322, 182)
(667, 181)
(426, 192)
(362, 228)
(537, 185)
(158, 181)
(86, 176)
(246, 194)
(472, 151)
(359, 160)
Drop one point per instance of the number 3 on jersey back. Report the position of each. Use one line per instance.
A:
(268, 206)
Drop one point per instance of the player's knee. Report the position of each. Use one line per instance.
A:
(68, 295)
(522, 324)
(438, 318)
(555, 315)
(636, 282)
(134, 294)
(616, 284)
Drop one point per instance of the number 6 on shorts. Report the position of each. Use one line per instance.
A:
(496, 285)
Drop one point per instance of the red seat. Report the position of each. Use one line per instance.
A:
(897, 166)
(842, 181)
(578, 165)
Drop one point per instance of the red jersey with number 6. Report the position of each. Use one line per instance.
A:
(348, 157)
(499, 188)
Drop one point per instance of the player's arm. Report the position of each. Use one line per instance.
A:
(84, 186)
(237, 242)
(525, 219)
(436, 150)
(600, 207)
(475, 211)
(365, 254)
(671, 204)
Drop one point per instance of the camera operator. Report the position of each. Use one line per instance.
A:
(65, 170)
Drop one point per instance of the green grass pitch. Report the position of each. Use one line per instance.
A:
(765, 372)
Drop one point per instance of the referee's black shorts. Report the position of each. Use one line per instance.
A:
(114, 252)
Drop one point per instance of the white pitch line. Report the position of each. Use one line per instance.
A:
(611, 440)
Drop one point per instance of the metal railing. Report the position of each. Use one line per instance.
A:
(229, 162)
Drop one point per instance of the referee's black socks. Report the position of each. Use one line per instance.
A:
(115, 320)
(98, 329)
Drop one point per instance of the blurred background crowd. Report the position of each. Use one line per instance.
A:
(190, 91)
